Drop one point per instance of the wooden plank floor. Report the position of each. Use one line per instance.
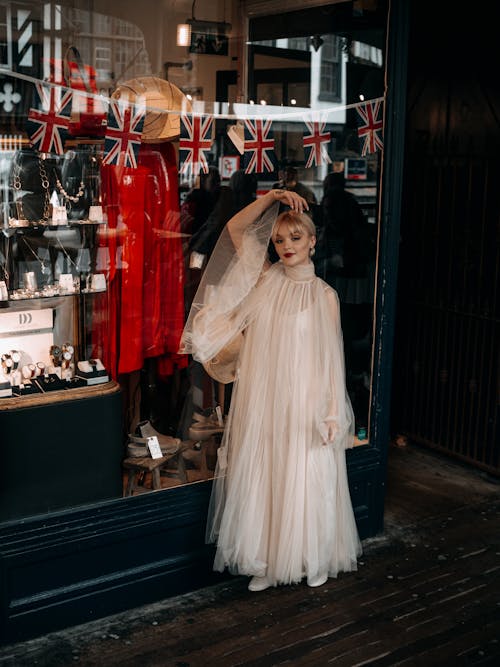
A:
(427, 592)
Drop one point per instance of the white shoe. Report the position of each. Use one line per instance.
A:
(258, 583)
(318, 580)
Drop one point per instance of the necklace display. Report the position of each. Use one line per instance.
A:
(67, 197)
(43, 266)
(21, 220)
(60, 194)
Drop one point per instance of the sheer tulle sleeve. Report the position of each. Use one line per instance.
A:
(218, 311)
(336, 407)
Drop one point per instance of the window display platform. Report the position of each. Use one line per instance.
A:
(60, 450)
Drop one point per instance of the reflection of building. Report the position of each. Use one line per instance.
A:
(327, 73)
(113, 46)
(34, 39)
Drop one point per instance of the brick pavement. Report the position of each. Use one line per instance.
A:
(427, 592)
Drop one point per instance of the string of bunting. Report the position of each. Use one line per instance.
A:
(49, 120)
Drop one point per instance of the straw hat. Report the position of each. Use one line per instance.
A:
(223, 366)
(161, 98)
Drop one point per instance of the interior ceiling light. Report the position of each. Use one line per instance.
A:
(183, 34)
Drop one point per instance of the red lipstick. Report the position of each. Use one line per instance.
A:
(288, 254)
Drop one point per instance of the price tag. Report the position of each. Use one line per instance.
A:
(218, 412)
(66, 282)
(196, 260)
(154, 447)
(59, 215)
(95, 214)
(98, 282)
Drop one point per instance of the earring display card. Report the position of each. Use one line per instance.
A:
(59, 215)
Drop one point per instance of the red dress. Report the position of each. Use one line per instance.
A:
(145, 299)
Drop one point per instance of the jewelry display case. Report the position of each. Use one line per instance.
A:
(59, 405)
(53, 260)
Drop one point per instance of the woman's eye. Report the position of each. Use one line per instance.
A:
(296, 238)
(278, 241)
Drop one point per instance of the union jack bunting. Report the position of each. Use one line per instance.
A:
(47, 127)
(123, 133)
(370, 126)
(315, 141)
(195, 141)
(259, 146)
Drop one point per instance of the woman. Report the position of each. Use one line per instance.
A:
(280, 507)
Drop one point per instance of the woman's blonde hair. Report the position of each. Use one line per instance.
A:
(296, 222)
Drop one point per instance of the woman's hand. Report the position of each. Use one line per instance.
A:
(329, 431)
(239, 222)
(291, 199)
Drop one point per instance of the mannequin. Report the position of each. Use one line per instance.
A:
(146, 301)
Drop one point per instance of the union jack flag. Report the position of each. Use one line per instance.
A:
(48, 127)
(370, 126)
(123, 133)
(315, 141)
(195, 141)
(259, 146)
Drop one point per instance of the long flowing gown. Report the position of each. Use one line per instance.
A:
(281, 505)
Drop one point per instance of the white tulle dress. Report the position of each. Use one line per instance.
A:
(280, 504)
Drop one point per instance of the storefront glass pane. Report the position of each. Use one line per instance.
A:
(107, 226)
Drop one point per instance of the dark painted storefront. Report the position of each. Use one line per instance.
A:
(69, 566)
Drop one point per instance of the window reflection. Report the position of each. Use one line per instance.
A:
(157, 229)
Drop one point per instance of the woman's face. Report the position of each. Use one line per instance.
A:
(293, 244)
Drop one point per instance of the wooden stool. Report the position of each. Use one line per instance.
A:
(180, 467)
(137, 465)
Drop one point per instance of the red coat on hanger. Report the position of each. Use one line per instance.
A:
(146, 277)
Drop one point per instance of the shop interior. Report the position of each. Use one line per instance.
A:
(100, 259)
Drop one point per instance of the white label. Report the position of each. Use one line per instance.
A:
(196, 260)
(218, 412)
(154, 447)
(95, 213)
(29, 280)
(14, 322)
(98, 282)
(66, 282)
(59, 215)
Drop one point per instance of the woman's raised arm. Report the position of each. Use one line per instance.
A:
(253, 211)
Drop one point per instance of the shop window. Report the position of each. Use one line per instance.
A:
(103, 64)
(114, 252)
(4, 37)
(331, 72)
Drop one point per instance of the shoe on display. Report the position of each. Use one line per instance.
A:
(138, 444)
(210, 418)
(200, 431)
